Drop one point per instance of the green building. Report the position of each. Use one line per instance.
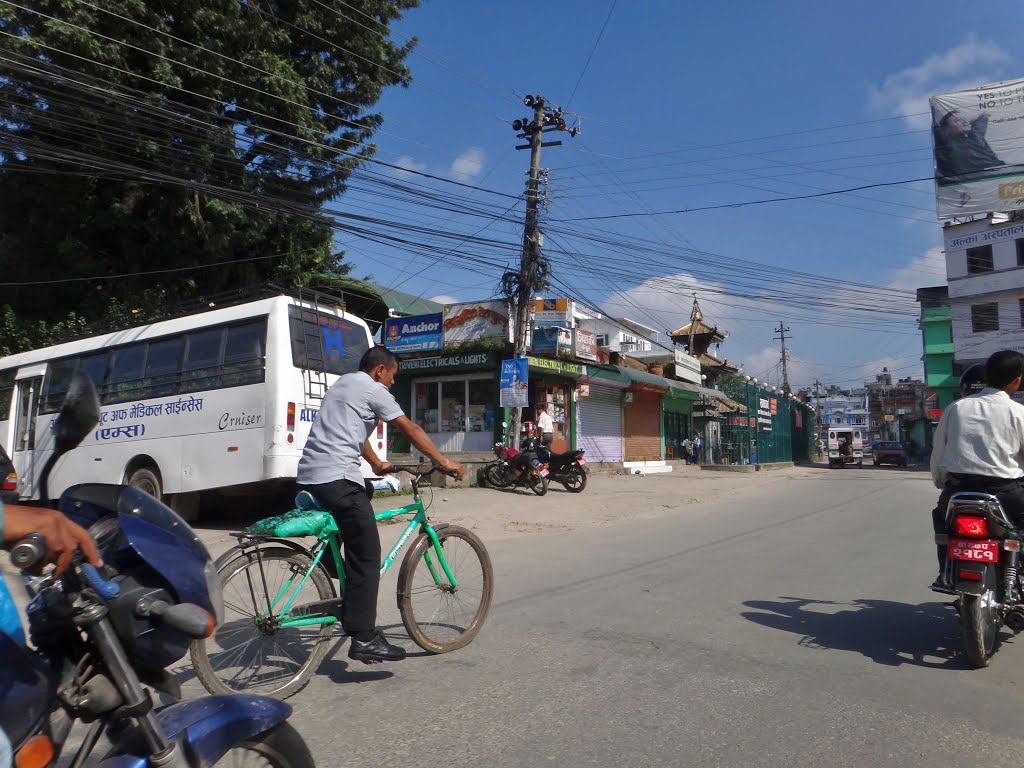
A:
(940, 379)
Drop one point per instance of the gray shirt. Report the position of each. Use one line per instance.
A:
(347, 417)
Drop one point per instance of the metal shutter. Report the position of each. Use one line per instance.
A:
(599, 431)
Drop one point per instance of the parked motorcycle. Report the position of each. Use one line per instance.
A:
(512, 468)
(983, 571)
(568, 468)
(103, 634)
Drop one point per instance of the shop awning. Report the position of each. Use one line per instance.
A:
(375, 301)
(604, 376)
(645, 379)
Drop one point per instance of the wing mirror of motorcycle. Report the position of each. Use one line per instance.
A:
(79, 413)
(504, 425)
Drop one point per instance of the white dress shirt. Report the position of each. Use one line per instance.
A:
(544, 422)
(980, 435)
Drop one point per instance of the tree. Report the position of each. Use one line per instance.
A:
(138, 136)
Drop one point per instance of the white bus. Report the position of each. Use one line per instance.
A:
(218, 403)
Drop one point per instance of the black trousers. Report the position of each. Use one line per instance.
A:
(349, 503)
(1009, 492)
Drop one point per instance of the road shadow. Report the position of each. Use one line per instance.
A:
(887, 632)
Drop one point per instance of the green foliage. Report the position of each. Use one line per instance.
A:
(250, 111)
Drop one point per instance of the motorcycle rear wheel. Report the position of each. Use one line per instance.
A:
(575, 479)
(495, 477)
(538, 484)
(979, 621)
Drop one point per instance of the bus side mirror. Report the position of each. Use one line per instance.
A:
(79, 413)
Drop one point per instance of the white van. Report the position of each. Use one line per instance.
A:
(846, 446)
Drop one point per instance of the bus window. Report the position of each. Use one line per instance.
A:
(342, 342)
(95, 367)
(244, 354)
(202, 360)
(126, 369)
(6, 393)
(163, 363)
(58, 380)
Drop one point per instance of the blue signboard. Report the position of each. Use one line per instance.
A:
(514, 391)
(413, 334)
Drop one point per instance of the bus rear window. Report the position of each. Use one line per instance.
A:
(325, 343)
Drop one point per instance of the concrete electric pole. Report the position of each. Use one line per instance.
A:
(782, 330)
(533, 269)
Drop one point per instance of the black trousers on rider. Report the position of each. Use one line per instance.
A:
(1010, 493)
(349, 503)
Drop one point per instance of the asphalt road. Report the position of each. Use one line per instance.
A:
(789, 628)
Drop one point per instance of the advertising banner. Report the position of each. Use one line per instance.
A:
(687, 367)
(514, 386)
(978, 142)
(476, 320)
(557, 312)
(552, 341)
(584, 345)
(764, 414)
(413, 334)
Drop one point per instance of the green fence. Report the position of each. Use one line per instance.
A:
(771, 431)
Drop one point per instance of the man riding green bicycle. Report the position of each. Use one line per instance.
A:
(330, 470)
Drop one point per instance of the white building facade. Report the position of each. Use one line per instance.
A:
(985, 272)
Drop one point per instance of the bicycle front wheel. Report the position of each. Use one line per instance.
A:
(249, 651)
(439, 617)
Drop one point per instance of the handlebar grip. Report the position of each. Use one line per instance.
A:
(28, 552)
(105, 589)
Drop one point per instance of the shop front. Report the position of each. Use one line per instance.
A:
(599, 414)
(454, 398)
(554, 382)
(642, 415)
(677, 419)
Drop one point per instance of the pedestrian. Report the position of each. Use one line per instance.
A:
(697, 445)
(821, 447)
(545, 425)
(687, 449)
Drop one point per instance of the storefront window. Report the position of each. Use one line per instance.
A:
(453, 406)
(427, 415)
(481, 405)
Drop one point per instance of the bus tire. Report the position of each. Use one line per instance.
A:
(146, 479)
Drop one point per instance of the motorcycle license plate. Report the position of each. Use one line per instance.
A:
(974, 551)
(543, 471)
(581, 461)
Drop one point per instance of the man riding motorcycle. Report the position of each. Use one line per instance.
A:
(979, 443)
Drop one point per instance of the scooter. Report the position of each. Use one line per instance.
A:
(103, 635)
(512, 468)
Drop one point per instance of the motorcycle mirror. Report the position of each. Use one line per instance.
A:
(504, 424)
(79, 413)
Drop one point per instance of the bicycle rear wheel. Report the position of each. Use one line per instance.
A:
(249, 652)
(438, 617)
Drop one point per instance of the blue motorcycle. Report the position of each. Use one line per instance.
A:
(104, 637)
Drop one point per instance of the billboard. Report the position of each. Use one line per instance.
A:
(556, 312)
(584, 344)
(552, 341)
(514, 386)
(413, 334)
(476, 320)
(687, 367)
(978, 143)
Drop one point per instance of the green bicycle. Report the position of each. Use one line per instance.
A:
(280, 602)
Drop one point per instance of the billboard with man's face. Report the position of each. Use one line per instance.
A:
(978, 140)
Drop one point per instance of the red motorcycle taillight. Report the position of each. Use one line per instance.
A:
(970, 526)
(11, 482)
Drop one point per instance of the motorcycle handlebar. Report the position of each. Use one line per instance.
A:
(29, 551)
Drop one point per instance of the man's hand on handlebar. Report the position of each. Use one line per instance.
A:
(452, 468)
(63, 538)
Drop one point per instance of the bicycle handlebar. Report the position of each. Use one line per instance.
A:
(420, 470)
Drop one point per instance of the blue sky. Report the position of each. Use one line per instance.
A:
(683, 106)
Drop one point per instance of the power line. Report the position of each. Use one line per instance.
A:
(590, 56)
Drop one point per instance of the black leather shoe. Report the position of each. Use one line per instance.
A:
(375, 650)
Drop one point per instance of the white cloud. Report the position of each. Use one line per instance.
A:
(906, 92)
(407, 164)
(443, 298)
(926, 270)
(663, 302)
(468, 165)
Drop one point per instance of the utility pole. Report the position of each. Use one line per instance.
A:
(817, 400)
(782, 330)
(533, 268)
